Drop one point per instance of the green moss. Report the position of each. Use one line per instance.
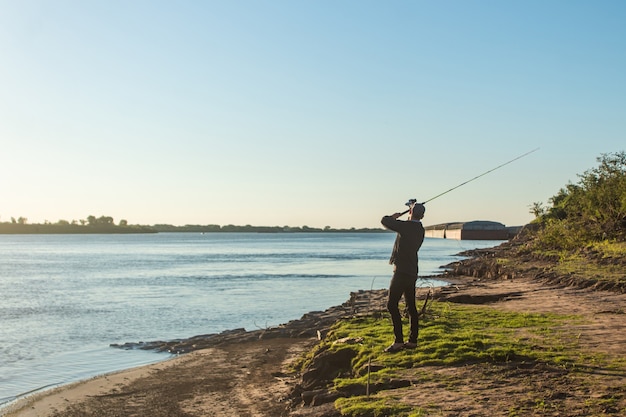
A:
(453, 335)
(592, 261)
(374, 407)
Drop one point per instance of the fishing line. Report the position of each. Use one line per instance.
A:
(483, 174)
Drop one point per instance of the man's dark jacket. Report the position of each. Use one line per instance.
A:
(409, 238)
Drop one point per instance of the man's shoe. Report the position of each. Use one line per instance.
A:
(410, 345)
(396, 347)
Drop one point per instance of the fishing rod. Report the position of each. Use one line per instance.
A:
(413, 201)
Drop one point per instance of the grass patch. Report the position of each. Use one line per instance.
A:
(580, 265)
(451, 335)
(459, 334)
(375, 407)
(597, 260)
(610, 249)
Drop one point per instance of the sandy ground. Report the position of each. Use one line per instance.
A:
(253, 378)
(245, 379)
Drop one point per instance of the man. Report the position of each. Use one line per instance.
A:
(409, 238)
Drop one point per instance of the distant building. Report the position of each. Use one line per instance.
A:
(474, 230)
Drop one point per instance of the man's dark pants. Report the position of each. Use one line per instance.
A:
(403, 284)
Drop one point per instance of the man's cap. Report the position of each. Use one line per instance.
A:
(419, 208)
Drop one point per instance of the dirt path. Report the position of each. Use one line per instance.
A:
(479, 390)
(252, 378)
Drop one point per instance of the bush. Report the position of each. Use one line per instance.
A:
(592, 210)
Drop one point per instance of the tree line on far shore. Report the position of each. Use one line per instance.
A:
(92, 224)
(106, 224)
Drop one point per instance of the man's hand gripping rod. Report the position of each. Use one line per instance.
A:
(410, 204)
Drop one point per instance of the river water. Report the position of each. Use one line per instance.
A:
(65, 298)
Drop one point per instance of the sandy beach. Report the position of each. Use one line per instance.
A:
(248, 373)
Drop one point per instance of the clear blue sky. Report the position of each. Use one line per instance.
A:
(317, 113)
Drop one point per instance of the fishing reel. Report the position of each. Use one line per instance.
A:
(410, 205)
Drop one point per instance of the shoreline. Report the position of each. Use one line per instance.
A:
(303, 327)
(6, 402)
(53, 396)
(310, 327)
(244, 373)
(56, 353)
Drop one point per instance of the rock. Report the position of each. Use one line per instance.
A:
(314, 324)
(326, 366)
(348, 341)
